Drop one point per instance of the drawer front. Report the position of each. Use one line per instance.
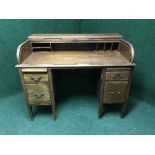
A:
(35, 70)
(118, 75)
(33, 78)
(38, 93)
(116, 69)
(115, 92)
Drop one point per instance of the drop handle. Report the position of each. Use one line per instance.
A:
(119, 75)
(36, 79)
(75, 40)
(115, 93)
(111, 93)
(39, 95)
(118, 93)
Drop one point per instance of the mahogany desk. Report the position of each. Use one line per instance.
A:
(42, 53)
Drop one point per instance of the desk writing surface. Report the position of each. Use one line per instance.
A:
(75, 59)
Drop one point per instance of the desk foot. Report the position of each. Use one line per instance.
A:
(30, 112)
(53, 112)
(101, 111)
(123, 110)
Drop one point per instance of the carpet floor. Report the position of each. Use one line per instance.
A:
(76, 115)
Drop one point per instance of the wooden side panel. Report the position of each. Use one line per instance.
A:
(26, 95)
(23, 51)
(125, 50)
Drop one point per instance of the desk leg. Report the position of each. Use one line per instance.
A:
(101, 104)
(26, 96)
(124, 106)
(52, 93)
(30, 112)
(123, 110)
(53, 111)
(101, 111)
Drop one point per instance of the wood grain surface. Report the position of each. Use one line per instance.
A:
(75, 59)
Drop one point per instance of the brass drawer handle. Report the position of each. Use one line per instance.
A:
(75, 40)
(119, 75)
(39, 95)
(115, 93)
(36, 79)
(118, 93)
(111, 93)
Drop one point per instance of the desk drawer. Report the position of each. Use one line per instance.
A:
(117, 75)
(38, 93)
(35, 77)
(115, 92)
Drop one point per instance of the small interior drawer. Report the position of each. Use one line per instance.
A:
(38, 93)
(117, 75)
(35, 77)
(115, 92)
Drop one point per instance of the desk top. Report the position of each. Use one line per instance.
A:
(74, 37)
(75, 59)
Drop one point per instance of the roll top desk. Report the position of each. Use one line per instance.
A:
(42, 53)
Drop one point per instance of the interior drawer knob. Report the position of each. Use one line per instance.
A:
(39, 95)
(36, 79)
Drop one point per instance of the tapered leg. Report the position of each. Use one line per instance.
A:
(123, 110)
(30, 112)
(101, 111)
(53, 112)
